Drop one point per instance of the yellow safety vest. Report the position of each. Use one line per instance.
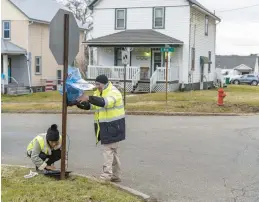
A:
(113, 109)
(42, 142)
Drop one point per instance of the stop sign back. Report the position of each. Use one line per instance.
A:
(56, 37)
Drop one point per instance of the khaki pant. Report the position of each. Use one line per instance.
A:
(111, 166)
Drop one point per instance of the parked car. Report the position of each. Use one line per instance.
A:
(246, 79)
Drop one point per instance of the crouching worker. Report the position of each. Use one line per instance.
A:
(45, 149)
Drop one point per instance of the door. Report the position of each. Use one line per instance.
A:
(9, 70)
(59, 76)
(202, 76)
(242, 79)
(157, 60)
(118, 57)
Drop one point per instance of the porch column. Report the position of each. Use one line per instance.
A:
(89, 55)
(5, 68)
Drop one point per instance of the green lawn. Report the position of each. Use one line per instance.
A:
(240, 99)
(16, 188)
(51, 96)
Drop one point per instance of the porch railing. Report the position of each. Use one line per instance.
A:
(161, 74)
(172, 74)
(12, 78)
(112, 72)
(153, 81)
(135, 78)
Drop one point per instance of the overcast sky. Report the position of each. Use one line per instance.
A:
(238, 32)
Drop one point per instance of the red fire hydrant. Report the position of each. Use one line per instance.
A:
(221, 96)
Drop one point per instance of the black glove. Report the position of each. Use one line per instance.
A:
(71, 103)
(84, 105)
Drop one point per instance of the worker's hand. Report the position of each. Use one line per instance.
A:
(51, 167)
(83, 98)
(72, 103)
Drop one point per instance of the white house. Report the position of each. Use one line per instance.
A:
(146, 26)
(238, 65)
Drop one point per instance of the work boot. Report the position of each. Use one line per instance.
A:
(105, 179)
(115, 179)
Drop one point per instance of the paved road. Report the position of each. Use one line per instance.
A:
(173, 158)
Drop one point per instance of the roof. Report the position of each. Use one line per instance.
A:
(40, 10)
(243, 67)
(232, 61)
(202, 7)
(195, 2)
(8, 47)
(135, 37)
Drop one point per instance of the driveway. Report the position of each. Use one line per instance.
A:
(201, 159)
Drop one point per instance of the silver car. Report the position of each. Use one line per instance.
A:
(246, 79)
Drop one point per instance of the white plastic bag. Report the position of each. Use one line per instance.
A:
(30, 175)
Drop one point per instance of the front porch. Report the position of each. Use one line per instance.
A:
(14, 69)
(147, 69)
(136, 77)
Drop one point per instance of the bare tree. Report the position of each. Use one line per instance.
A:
(80, 63)
(81, 12)
(79, 9)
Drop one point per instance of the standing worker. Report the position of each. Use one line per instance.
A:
(109, 123)
(45, 149)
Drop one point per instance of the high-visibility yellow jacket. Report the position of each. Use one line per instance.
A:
(110, 119)
(36, 146)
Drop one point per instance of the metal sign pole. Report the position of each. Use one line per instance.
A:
(125, 85)
(64, 105)
(166, 75)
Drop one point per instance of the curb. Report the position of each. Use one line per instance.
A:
(134, 192)
(137, 193)
(135, 113)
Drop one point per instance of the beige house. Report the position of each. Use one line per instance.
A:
(25, 54)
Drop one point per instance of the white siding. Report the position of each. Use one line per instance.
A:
(105, 56)
(177, 20)
(141, 58)
(176, 63)
(203, 44)
(177, 26)
(138, 3)
(139, 18)
(103, 23)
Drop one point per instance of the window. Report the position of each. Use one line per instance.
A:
(59, 76)
(250, 76)
(159, 18)
(38, 65)
(209, 65)
(118, 57)
(206, 25)
(193, 59)
(120, 18)
(6, 29)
